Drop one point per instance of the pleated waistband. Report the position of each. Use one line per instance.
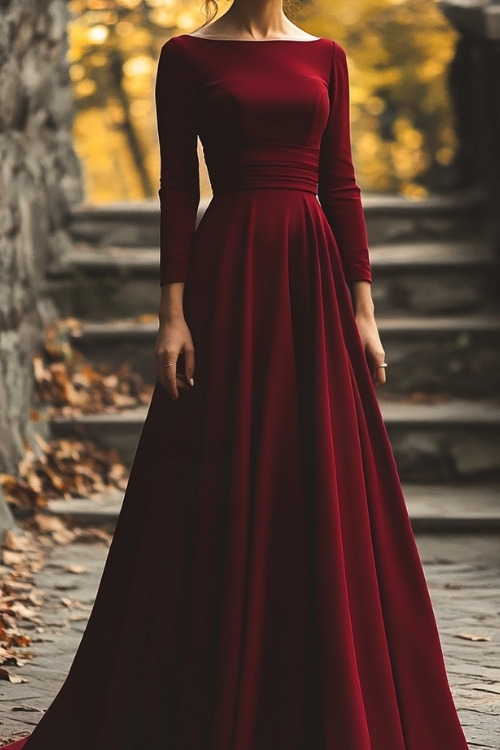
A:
(268, 166)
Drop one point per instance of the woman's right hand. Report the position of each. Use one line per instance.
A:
(174, 338)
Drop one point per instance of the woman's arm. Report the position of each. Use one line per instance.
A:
(173, 337)
(340, 198)
(179, 195)
(364, 312)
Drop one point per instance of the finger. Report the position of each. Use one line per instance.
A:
(160, 373)
(374, 360)
(189, 365)
(181, 381)
(169, 376)
(377, 360)
(160, 359)
(379, 375)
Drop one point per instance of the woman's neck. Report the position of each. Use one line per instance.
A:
(255, 18)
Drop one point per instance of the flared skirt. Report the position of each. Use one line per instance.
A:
(263, 590)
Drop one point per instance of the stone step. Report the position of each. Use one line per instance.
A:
(448, 508)
(389, 218)
(130, 223)
(428, 256)
(434, 278)
(433, 508)
(107, 282)
(458, 355)
(450, 441)
(413, 278)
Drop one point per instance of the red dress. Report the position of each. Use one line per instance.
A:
(263, 590)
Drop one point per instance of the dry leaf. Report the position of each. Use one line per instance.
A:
(18, 586)
(18, 639)
(14, 678)
(14, 542)
(11, 558)
(49, 523)
(26, 613)
(76, 569)
(10, 659)
(73, 603)
(7, 657)
(63, 538)
(91, 535)
(472, 637)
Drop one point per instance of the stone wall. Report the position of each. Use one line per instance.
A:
(39, 180)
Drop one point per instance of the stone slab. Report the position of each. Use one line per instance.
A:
(436, 508)
(451, 412)
(438, 442)
(393, 325)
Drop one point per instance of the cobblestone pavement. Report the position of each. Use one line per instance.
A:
(463, 573)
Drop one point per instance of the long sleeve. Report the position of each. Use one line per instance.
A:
(338, 192)
(179, 190)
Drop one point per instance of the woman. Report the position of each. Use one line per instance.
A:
(263, 590)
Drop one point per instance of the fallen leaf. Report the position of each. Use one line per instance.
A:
(16, 679)
(91, 535)
(11, 558)
(472, 637)
(73, 603)
(13, 542)
(24, 612)
(76, 569)
(46, 522)
(11, 660)
(18, 639)
(63, 537)
(19, 586)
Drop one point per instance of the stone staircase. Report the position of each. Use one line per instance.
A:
(435, 288)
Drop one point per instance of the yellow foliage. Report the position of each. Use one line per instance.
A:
(106, 159)
(398, 53)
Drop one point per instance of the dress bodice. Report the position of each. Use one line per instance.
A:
(269, 114)
(249, 95)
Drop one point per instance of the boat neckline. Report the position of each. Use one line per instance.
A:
(254, 41)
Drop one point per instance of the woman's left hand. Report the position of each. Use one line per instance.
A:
(374, 351)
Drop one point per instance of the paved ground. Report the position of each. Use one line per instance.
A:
(463, 573)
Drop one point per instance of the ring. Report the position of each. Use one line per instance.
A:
(384, 364)
(170, 364)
